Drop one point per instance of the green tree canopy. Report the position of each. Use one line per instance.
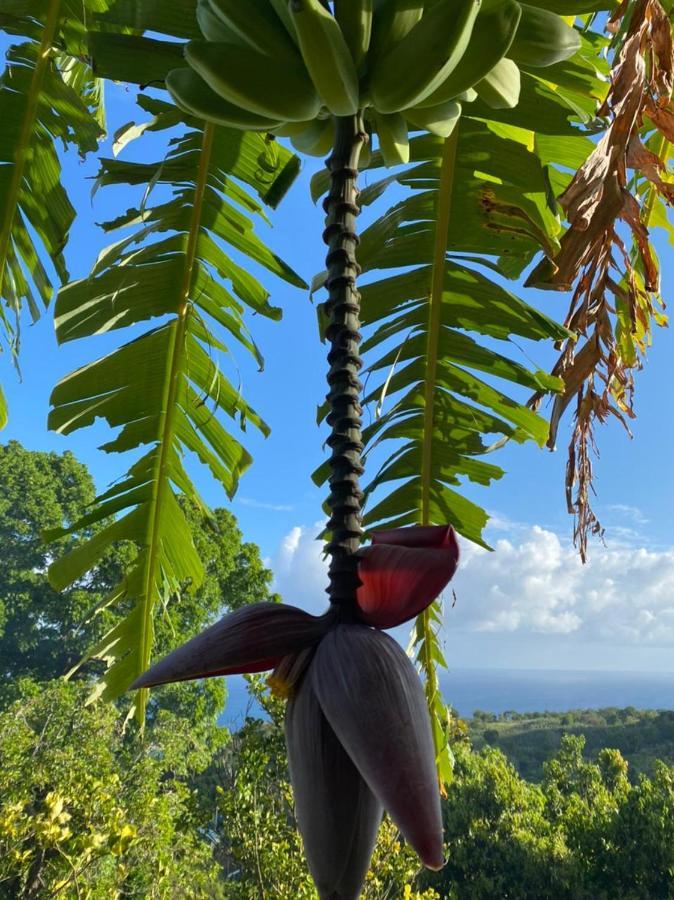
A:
(44, 633)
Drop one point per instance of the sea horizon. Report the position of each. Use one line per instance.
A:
(524, 690)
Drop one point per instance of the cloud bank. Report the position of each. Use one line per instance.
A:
(532, 584)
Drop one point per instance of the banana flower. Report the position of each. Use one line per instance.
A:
(357, 728)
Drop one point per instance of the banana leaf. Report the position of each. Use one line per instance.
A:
(47, 94)
(164, 391)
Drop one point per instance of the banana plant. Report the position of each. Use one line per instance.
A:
(480, 111)
(46, 93)
(437, 413)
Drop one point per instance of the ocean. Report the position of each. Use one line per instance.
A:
(520, 690)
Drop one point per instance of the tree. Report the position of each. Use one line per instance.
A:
(44, 633)
(41, 629)
(499, 842)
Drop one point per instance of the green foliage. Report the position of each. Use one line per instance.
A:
(46, 94)
(41, 630)
(87, 812)
(530, 739)
(584, 833)
(44, 633)
(164, 388)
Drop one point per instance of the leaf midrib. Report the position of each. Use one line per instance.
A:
(444, 212)
(167, 422)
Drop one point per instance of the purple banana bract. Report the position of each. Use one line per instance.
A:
(357, 728)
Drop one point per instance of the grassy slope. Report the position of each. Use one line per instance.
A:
(529, 739)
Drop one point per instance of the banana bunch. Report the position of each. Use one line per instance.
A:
(288, 67)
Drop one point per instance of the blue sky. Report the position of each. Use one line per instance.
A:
(529, 603)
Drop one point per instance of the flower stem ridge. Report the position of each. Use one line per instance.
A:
(343, 308)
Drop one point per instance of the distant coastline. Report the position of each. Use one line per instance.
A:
(521, 690)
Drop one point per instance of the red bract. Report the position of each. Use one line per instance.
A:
(403, 571)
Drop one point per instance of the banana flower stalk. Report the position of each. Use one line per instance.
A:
(357, 727)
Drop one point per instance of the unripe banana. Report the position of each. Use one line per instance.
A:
(326, 56)
(283, 12)
(500, 89)
(365, 153)
(291, 129)
(440, 120)
(418, 65)
(394, 141)
(543, 38)
(393, 20)
(191, 93)
(278, 88)
(493, 33)
(317, 139)
(213, 28)
(354, 17)
(256, 23)
(469, 96)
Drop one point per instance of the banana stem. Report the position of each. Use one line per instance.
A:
(343, 307)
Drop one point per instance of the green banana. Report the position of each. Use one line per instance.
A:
(354, 17)
(268, 86)
(326, 56)
(493, 33)
(468, 96)
(317, 139)
(256, 23)
(543, 38)
(394, 141)
(440, 120)
(571, 7)
(213, 28)
(191, 93)
(500, 89)
(418, 65)
(283, 12)
(291, 129)
(393, 20)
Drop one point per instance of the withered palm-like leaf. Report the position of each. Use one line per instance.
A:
(337, 814)
(619, 189)
(372, 697)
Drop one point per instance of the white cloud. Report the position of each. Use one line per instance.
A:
(300, 572)
(622, 510)
(260, 504)
(532, 584)
(536, 584)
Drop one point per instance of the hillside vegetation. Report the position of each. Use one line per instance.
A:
(530, 739)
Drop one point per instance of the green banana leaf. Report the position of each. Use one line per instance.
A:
(46, 94)
(164, 390)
